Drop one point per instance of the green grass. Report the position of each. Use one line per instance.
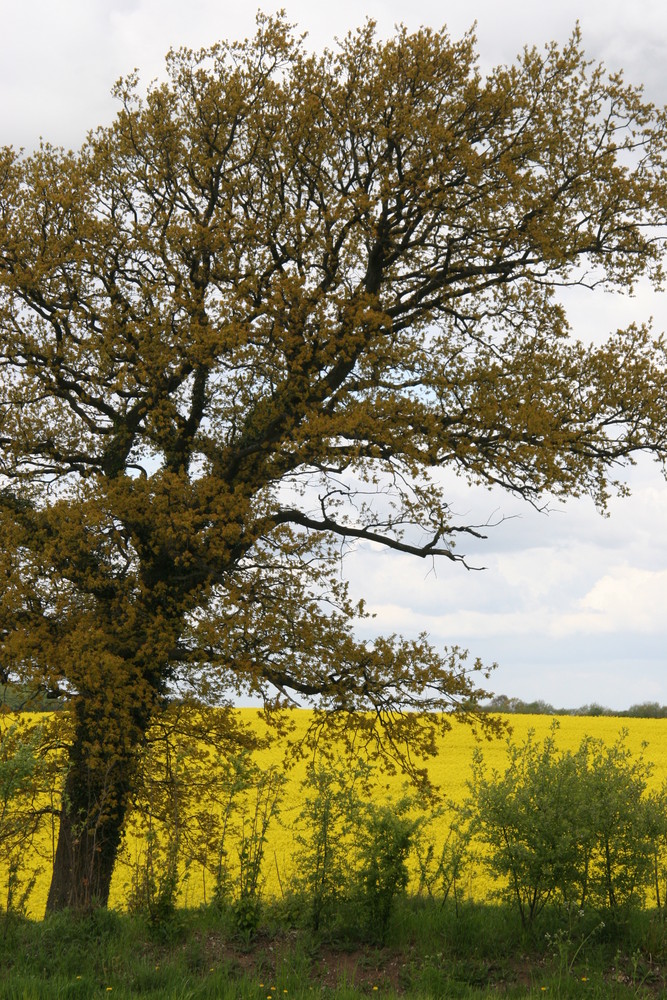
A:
(431, 952)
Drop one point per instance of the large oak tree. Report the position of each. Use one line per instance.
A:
(249, 322)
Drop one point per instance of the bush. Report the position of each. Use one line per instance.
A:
(352, 854)
(246, 906)
(621, 824)
(385, 840)
(331, 810)
(442, 871)
(571, 826)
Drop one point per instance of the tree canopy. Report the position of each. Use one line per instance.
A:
(249, 322)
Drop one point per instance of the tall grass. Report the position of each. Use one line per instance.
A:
(431, 951)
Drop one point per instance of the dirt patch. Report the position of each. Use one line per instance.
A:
(368, 970)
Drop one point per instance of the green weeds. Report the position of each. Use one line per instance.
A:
(431, 951)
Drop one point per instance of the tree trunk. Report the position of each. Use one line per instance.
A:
(120, 679)
(95, 798)
(85, 854)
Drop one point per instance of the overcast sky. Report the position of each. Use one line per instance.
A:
(572, 606)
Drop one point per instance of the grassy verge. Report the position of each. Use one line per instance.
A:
(431, 952)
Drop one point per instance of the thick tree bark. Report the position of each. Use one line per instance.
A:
(97, 788)
(85, 854)
(93, 809)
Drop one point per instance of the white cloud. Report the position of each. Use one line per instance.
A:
(628, 598)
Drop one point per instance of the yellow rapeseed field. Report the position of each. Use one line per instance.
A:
(450, 771)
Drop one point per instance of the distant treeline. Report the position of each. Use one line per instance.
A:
(17, 699)
(515, 706)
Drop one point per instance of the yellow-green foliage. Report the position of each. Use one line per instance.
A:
(199, 778)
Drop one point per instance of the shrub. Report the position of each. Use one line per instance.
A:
(621, 824)
(442, 872)
(573, 826)
(385, 839)
(331, 809)
(246, 906)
